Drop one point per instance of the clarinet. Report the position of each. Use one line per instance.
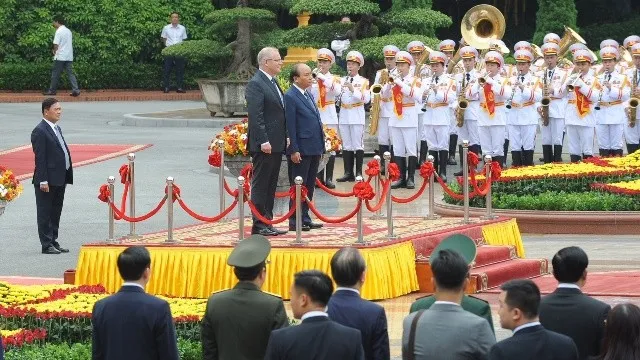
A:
(604, 79)
(339, 99)
(424, 106)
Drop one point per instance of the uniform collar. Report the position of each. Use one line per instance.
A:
(568, 286)
(247, 285)
(313, 314)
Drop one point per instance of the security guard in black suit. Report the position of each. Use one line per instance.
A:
(238, 322)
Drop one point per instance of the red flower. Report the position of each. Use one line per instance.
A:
(124, 173)
(215, 158)
(496, 170)
(303, 192)
(104, 193)
(394, 172)
(373, 168)
(363, 190)
(427, 169)
(472, 159)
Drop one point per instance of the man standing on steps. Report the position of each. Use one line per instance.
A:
(62, 58)
(173, 34)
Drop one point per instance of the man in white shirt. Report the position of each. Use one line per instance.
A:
(62, 58)
(172, 34)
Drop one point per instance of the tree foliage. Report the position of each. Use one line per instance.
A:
(415, 21)
(335, 7)
(552, 16)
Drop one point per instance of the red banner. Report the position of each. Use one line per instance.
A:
(322, 90)
(490, 100)
(583, 105)
(397, 100)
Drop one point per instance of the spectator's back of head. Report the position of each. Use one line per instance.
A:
(134, 264)
(519, 302)
(450, 270)
(569, 264)
(622, 333)
(59, 19)
(347, 267)
(311, 290)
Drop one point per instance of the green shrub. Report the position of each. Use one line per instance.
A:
(552, 16)
(595, 33)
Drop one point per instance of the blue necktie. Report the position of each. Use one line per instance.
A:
(67, 159)
(273, 80)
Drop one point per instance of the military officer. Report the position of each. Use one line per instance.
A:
(632, 133)
(417, 49)
(353, 96)
(522, 119)
(621, 66)
(553, 77)
(448, 47)
(325, 89)
(386, 103)
(438, 93)
(237, 322)
(610, 115)
(506, 71)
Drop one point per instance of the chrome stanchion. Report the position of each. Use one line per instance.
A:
(170, 210)
(390, 234)
(377, 189)
(489, 206)
(359, 217)
(132, 197)
(465, 180)
(432, 213)
(240, 208)
(111, 180)
(221, 177)
(298, 182)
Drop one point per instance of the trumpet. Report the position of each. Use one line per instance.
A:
(571, 86)
(482, 79)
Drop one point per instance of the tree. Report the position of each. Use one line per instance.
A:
(552, 16)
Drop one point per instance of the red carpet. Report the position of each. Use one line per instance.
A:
(20, 160)
(618, 283)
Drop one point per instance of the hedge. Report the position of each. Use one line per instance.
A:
(552, 16)
(594, 34)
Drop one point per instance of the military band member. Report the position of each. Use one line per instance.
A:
(522, 120)
(353, 96)
(492, 118)
(469, 76)
(553, 134)
(621, 66)
(438, 93)
(610, 118)
(506, 71)
(632, 134)
(325, 89)
(583, 91)
(448, 47)
(417, 49)
(403, 123)
(386, 103)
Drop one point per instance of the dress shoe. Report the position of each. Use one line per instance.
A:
(50, 250)
(166, 90)
(61, 249)
(305, 227)
(181, 91)
(75, 93)
(313, 225)
(277, 231)
(264, 232)
(49, 92)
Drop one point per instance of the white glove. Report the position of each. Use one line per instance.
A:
(397, 81)
(580, 83)
(323, 77)
(489, 80)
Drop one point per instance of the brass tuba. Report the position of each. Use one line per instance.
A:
(569, 38)
(423, 58)
(376, 89)
(480, 26)
(632, 109)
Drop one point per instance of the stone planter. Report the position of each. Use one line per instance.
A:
(223, 97)
(3, 204)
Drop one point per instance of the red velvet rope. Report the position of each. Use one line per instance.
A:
(333, 220)
(124, 174)
(414, 196)
(385, 189)
(292, 192)
(449, 191)
(104, 196)
(176, 191)
(228, 189)
(478, 191)
(268, 221)
(331, 192)
(125, 193)
(215, 158)
(120, 215)
(204, 218)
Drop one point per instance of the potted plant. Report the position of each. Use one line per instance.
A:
(10, 188)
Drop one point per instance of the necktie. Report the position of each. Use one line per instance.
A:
(437, 77)
(309, 99)
(67, 160)
(521, 79)
(468, 77)
(273, 80)
(608, 77)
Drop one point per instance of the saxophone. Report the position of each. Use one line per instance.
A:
(463, 103)
(376, 89)
(546, 100)
(632, 109)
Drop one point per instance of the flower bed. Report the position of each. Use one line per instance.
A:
(623, 187)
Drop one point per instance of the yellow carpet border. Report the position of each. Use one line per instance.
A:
(504, 233)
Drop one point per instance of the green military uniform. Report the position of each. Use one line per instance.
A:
(238, 322)
(471, 304)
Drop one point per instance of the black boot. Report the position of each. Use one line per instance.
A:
(328, 170)
(391, 151)
(347, 158)
(575, 158)
(453, 142)
(443, 156)
(423, 152)
(617, 152)
(631, 148)
(402, 165)
(516, 158)
(584, 156)
(436, 162)
(527, 158)
(603, 152)
(547, 154)
(460, 154)
(505, 151)
(557, 153)
(359, 160)
(499, 159)
(382, 149)
(411, 170)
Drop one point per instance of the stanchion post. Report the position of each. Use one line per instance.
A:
(221, 177)
(241, 181)
(465, 180)
(132, 196)
(298, 182)
(432, 213)
(489, 206)
(111, 180)
(170, 210)
(390, 234)
(359, 217)
(377, 189)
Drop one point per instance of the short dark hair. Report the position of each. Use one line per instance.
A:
(48, 103)
(295, 71)
(248, 273)
(524, 295)
(347, 266)
(622, 333)
(314, 283)
(450, 269)
(59, 19)
(132, 262)
(175, 12)
(569, 264)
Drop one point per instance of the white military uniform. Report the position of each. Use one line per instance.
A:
(581, 124)
(492, 126)
(611, 118)
(632, 134)
(331, 85)
(424, 73)
(437, 120)
(523, 115)
(352, 114)
(404, 128)
(555, 78)
(469, 129)
(386, 111)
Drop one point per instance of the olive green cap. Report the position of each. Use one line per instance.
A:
(459, 243)
(250, 252)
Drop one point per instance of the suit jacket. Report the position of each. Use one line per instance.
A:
(132, 324)
(50, 164)
(316, 338)
(447, 331)
(1, 349)
(471, 304)
(266, 114)
(572, 313)
(303, 124)
(237, 318)
(349, 309)
(535, 343)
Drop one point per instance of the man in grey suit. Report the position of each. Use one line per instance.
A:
(445, 330)
(267, 136)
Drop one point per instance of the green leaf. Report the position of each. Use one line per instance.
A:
(335, 7)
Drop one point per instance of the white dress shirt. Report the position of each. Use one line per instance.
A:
(127, 283)
(313, 314)
(527, 325)
(174, 34)
(53, 127)
(63, 38)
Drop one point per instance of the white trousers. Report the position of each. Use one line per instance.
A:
(437, 137)
(384, 136)
(469, 131)
(580, 140)
(352, 137)
(552, 134)
(632, 135)
(422, 134)
(522, 136)
(404, 141)
(610, 136)
(492, 139)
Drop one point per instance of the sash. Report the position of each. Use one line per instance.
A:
(583, 105)
(397, 100)
(490, 100)
(322, 90)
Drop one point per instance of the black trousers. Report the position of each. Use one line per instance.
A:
(169, 63)
(49, 208)
(58, 67)
(266, 168)
(307, 169)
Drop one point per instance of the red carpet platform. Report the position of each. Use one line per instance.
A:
(196, 265)
(20, 160)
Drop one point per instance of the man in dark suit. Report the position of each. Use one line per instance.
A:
(346, 307)
(307, 138)
(519, 302)
(237, 322)
(267, 136)
(317, 337)
(570, 312)
(53, 171)
(469, 303)
(132, 324)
